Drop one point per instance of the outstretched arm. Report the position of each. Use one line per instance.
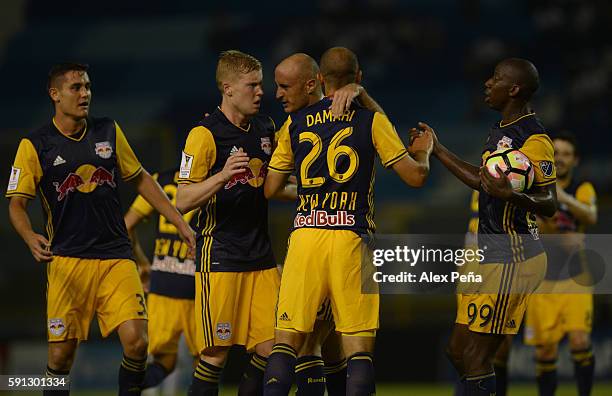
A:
(152, 193)
(462, 170)
(132, 219)
(279, 186)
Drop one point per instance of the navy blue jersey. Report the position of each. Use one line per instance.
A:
(76, 178)
(333, 159)
(506, 232)
(232, 227)
(171, 271)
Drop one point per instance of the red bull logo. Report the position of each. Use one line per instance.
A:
(254, 175)
(56, 326)
(85, 179)
(224, 331)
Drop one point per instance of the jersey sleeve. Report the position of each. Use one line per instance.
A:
(386, 141)
(541, 152)
(198, 156)
(141, 205)
(282, 159)
(129, 166)
(585, 193)
(26, 172)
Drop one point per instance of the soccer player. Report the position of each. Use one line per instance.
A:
(334, 162)
(500, 363)
(222, 172)
(551, 317)
(514, 261)
(75, 162)
(169, 282)
(298, 86)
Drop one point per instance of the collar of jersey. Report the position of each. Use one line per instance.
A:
(68, 136)
(231, 123)
(501, 125)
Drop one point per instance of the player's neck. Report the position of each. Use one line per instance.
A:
(514, 111)
(315, 98)
(68, 125)
(234, 116)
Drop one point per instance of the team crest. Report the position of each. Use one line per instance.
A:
(547, 168)
(504, 143)
(224, 331)
(56, 326)
(104, 150)
(266, 145)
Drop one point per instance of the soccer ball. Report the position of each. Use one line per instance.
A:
(515, 165)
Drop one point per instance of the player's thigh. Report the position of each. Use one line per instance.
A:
(120, 296)
(543, 324)
(72, 284)
(304, 280)
(353, 294)
(188, 326)
(222, 308)
(165, 324)
(578, 313)
(262, 298)
(360, 342)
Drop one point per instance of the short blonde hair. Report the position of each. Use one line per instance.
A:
(233, 62)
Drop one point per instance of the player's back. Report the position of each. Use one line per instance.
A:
(334, 164)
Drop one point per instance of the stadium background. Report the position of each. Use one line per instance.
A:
(152, 69)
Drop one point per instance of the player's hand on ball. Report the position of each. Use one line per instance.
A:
(344, 97)
(40, 247)
(235, 164)
(498, 186)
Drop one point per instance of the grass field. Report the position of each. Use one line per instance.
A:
(397, 390)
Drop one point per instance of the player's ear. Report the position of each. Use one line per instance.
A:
(54, 94)
(320, 78)
(358, 77)
(514, 91)
(311, 85)
(227, 89)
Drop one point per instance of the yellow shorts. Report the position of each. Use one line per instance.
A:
(168, 318)
(502, 312)
(235, 308)
(77, 288)
(551, 316)
(320, 264)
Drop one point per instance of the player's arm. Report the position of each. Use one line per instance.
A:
(194, 195)
(38, 244)
(132, 218)
(583, 206)
(25, 176)
(542, 197)
(148, 188)
(412, 166)
(344, 96)
(464, 171)
(278, 183)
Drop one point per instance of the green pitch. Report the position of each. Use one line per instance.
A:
(568, 389)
